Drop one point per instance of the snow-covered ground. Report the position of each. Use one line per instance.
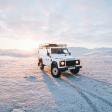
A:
(98, 67)
(24, 88)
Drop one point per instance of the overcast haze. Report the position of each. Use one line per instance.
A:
(80, 23)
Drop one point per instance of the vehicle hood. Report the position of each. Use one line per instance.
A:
(62, 57)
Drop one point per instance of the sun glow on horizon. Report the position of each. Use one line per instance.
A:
(27, 44)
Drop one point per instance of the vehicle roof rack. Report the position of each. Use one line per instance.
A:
(52, 45)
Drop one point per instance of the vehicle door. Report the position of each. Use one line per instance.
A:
(48, 57)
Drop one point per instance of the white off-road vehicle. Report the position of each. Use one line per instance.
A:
(58, 58)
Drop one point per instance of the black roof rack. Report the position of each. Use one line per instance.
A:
(52, 45)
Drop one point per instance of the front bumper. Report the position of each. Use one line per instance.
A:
(70, 68)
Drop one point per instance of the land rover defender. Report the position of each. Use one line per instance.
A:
(58, 58)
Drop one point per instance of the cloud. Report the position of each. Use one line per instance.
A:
(73, 21)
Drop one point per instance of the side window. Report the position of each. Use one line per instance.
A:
(48, 50)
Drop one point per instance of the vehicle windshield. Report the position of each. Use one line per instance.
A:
(59, 51)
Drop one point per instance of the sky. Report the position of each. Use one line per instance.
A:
(24, 24)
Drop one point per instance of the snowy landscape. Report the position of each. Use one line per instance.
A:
(25, 88)
(28, 27)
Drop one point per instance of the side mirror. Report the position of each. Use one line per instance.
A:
(69, 53)
(48, 54)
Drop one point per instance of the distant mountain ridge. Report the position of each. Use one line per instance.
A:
(79, 51)
(76, 51)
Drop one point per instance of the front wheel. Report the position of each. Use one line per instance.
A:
(75, 71)
(55, 71)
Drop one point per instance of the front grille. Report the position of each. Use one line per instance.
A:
(70, 63)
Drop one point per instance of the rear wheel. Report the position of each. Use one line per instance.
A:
(75, 71)
(41, 65)
(55, 71)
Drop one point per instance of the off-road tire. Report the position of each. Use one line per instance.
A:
(41, 65)
(75, 71)
(55, 71)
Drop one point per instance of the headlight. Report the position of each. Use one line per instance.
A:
(77, 62)
(62, 63)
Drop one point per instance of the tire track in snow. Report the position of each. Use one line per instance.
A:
(76, 88)
(100, 98)
(81, 93)
(79, 89)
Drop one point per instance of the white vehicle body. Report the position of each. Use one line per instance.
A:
(58, 54)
